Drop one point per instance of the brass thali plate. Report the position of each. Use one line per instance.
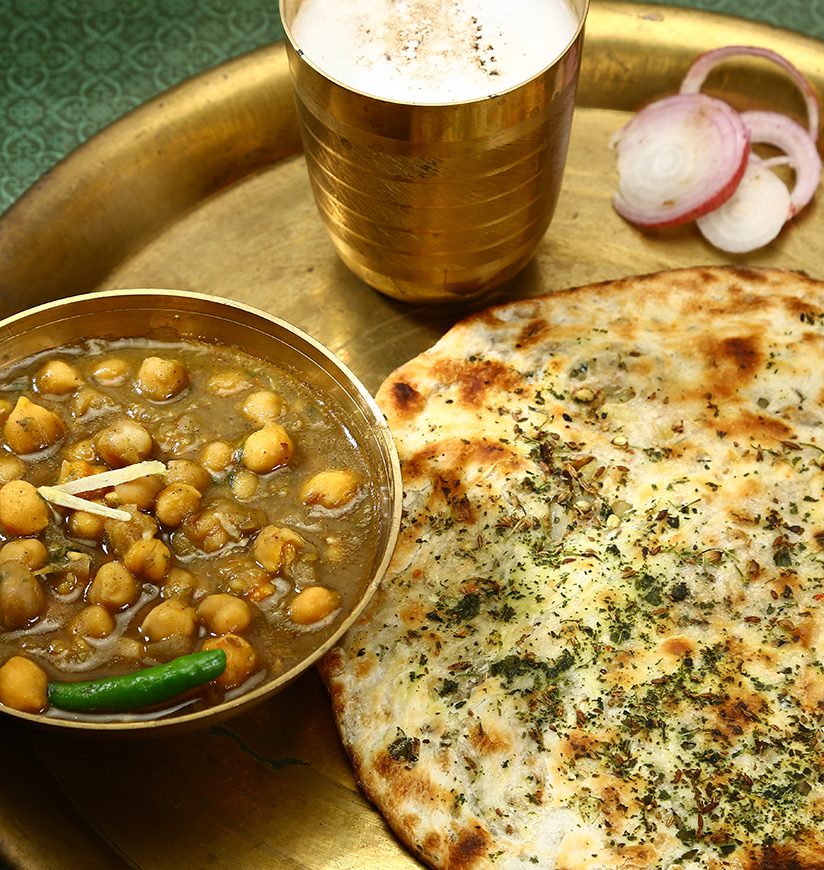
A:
(204, 189)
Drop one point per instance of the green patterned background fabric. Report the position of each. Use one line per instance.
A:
(70, 67)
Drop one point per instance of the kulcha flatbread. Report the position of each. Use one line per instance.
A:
(600, 643)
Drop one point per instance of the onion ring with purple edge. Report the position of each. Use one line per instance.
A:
(753, 216)
(679, 158)
(697, 74)
(773, 128)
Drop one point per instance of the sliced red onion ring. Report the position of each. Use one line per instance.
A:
(679, 158)
(772, 128)
(753, 216)
(698, 72)
(780, 160)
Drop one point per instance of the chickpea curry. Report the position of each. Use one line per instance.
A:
(179, 523)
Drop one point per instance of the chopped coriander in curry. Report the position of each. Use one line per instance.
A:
(162, 499)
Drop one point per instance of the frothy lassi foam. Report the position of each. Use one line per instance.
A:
(433, 51)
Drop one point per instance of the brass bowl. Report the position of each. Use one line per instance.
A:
(170, 315)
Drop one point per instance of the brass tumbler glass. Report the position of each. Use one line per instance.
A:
(436, 203)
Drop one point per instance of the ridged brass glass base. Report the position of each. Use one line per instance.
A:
(436, 203)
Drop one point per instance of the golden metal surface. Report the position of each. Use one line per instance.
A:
(436, 204)
(169, 315)
(221, 203)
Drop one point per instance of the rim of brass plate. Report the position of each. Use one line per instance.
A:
(125, 184)
(119, 189)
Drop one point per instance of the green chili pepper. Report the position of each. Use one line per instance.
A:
(142, 688)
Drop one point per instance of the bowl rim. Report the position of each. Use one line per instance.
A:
(390, 525)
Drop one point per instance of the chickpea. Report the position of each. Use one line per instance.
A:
(228, 381)
(244, 485)
(171, 618)
(313, 604)
(127, 649)
(23, 685)
(22, 599)
(73, 574)
(121, 534)
(221, 522)
(5, 409)
(149, 558)
(65, 583)
(142, 493)
(175, 503)
(111, 372)
(85, 525)
(206, 530)
(57, 377)
(186, 471)
(83, 449)
(28, 551)
(332, 488)
(124, 443)
(217, 456)
(262, 406)
(276, 548)
(75, 469)
(179, 437)
(223, 613)
(93, 621)
(248, 579)
(79, 649)
(113, 587)
(11, 468)
(241, 660)
(32, 427)
(87, 400)
(180, 583)
(22, 510)
(80, 563)
(267, 449)
(161, 379)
